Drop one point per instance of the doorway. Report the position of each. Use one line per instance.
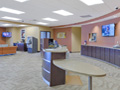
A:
(44, 34)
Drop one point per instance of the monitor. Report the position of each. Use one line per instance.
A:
(6, 34)
(108, 30)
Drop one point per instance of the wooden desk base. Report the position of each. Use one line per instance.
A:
(73, 80)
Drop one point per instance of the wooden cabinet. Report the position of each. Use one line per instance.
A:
(51, 74)
(110, 55)
(22, 47)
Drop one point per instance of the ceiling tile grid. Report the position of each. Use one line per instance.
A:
(35, 10)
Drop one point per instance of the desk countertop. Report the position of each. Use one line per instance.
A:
(102, 46)
(59, 49)
(79, 67)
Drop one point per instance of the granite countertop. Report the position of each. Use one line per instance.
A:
(79, 67)
(59, 49)
(102, 46)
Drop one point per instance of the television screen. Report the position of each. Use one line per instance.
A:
(6, 34)
(108, 30)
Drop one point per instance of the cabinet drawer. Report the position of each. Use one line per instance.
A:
(46, 74)
(46, 64)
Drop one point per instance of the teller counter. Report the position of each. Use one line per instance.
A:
(107, 54)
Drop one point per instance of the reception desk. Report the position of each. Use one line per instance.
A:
(51, 74)
(111, 55)
(7, 50)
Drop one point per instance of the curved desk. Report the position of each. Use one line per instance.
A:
(80, 67)
(51, 74)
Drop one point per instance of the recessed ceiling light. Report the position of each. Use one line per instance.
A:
(9, 10)
(42, 23)
(21, 0)
(6, 25)
(92, 2)
(11, 18)
(63, 12)
(50, 19)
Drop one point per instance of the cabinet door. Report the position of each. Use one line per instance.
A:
(112, 56)
(93, 51)
(98, 52)
(117, 57)
(102, 53)
(86, 50)
(83, 50)
(107, 56)
(89, 51)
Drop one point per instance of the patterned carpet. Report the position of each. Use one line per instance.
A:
(22, 71)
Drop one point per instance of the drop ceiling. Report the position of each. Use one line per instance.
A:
(35, 10)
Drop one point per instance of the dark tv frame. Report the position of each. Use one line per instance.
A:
(114, 29)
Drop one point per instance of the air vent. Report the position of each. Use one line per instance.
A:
(34, 20)
(86, 16)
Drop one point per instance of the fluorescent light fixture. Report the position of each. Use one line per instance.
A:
(50, 19)
(21, 0)
(22, 25)
(11, 18)
(9, 10)
(92, 2)
(6, 25)
(63, 12)
(42, 23)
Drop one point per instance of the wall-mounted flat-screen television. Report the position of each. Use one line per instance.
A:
(108, 30)
(6, 34)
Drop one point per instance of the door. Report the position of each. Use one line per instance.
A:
(44, 34)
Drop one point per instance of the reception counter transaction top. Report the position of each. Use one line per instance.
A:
(58, 49)
(80, 67)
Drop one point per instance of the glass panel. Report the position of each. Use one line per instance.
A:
(48, 34)
(43, 35)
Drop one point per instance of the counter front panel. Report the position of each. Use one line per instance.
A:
(110, 55)
(52, 74)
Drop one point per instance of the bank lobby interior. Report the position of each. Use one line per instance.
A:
(60, 45)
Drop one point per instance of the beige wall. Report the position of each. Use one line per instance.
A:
(76, 39)
(35, 32)
(29, 31)
(15, 36)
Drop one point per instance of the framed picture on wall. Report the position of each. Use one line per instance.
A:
(61, 35)
(22, 34)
